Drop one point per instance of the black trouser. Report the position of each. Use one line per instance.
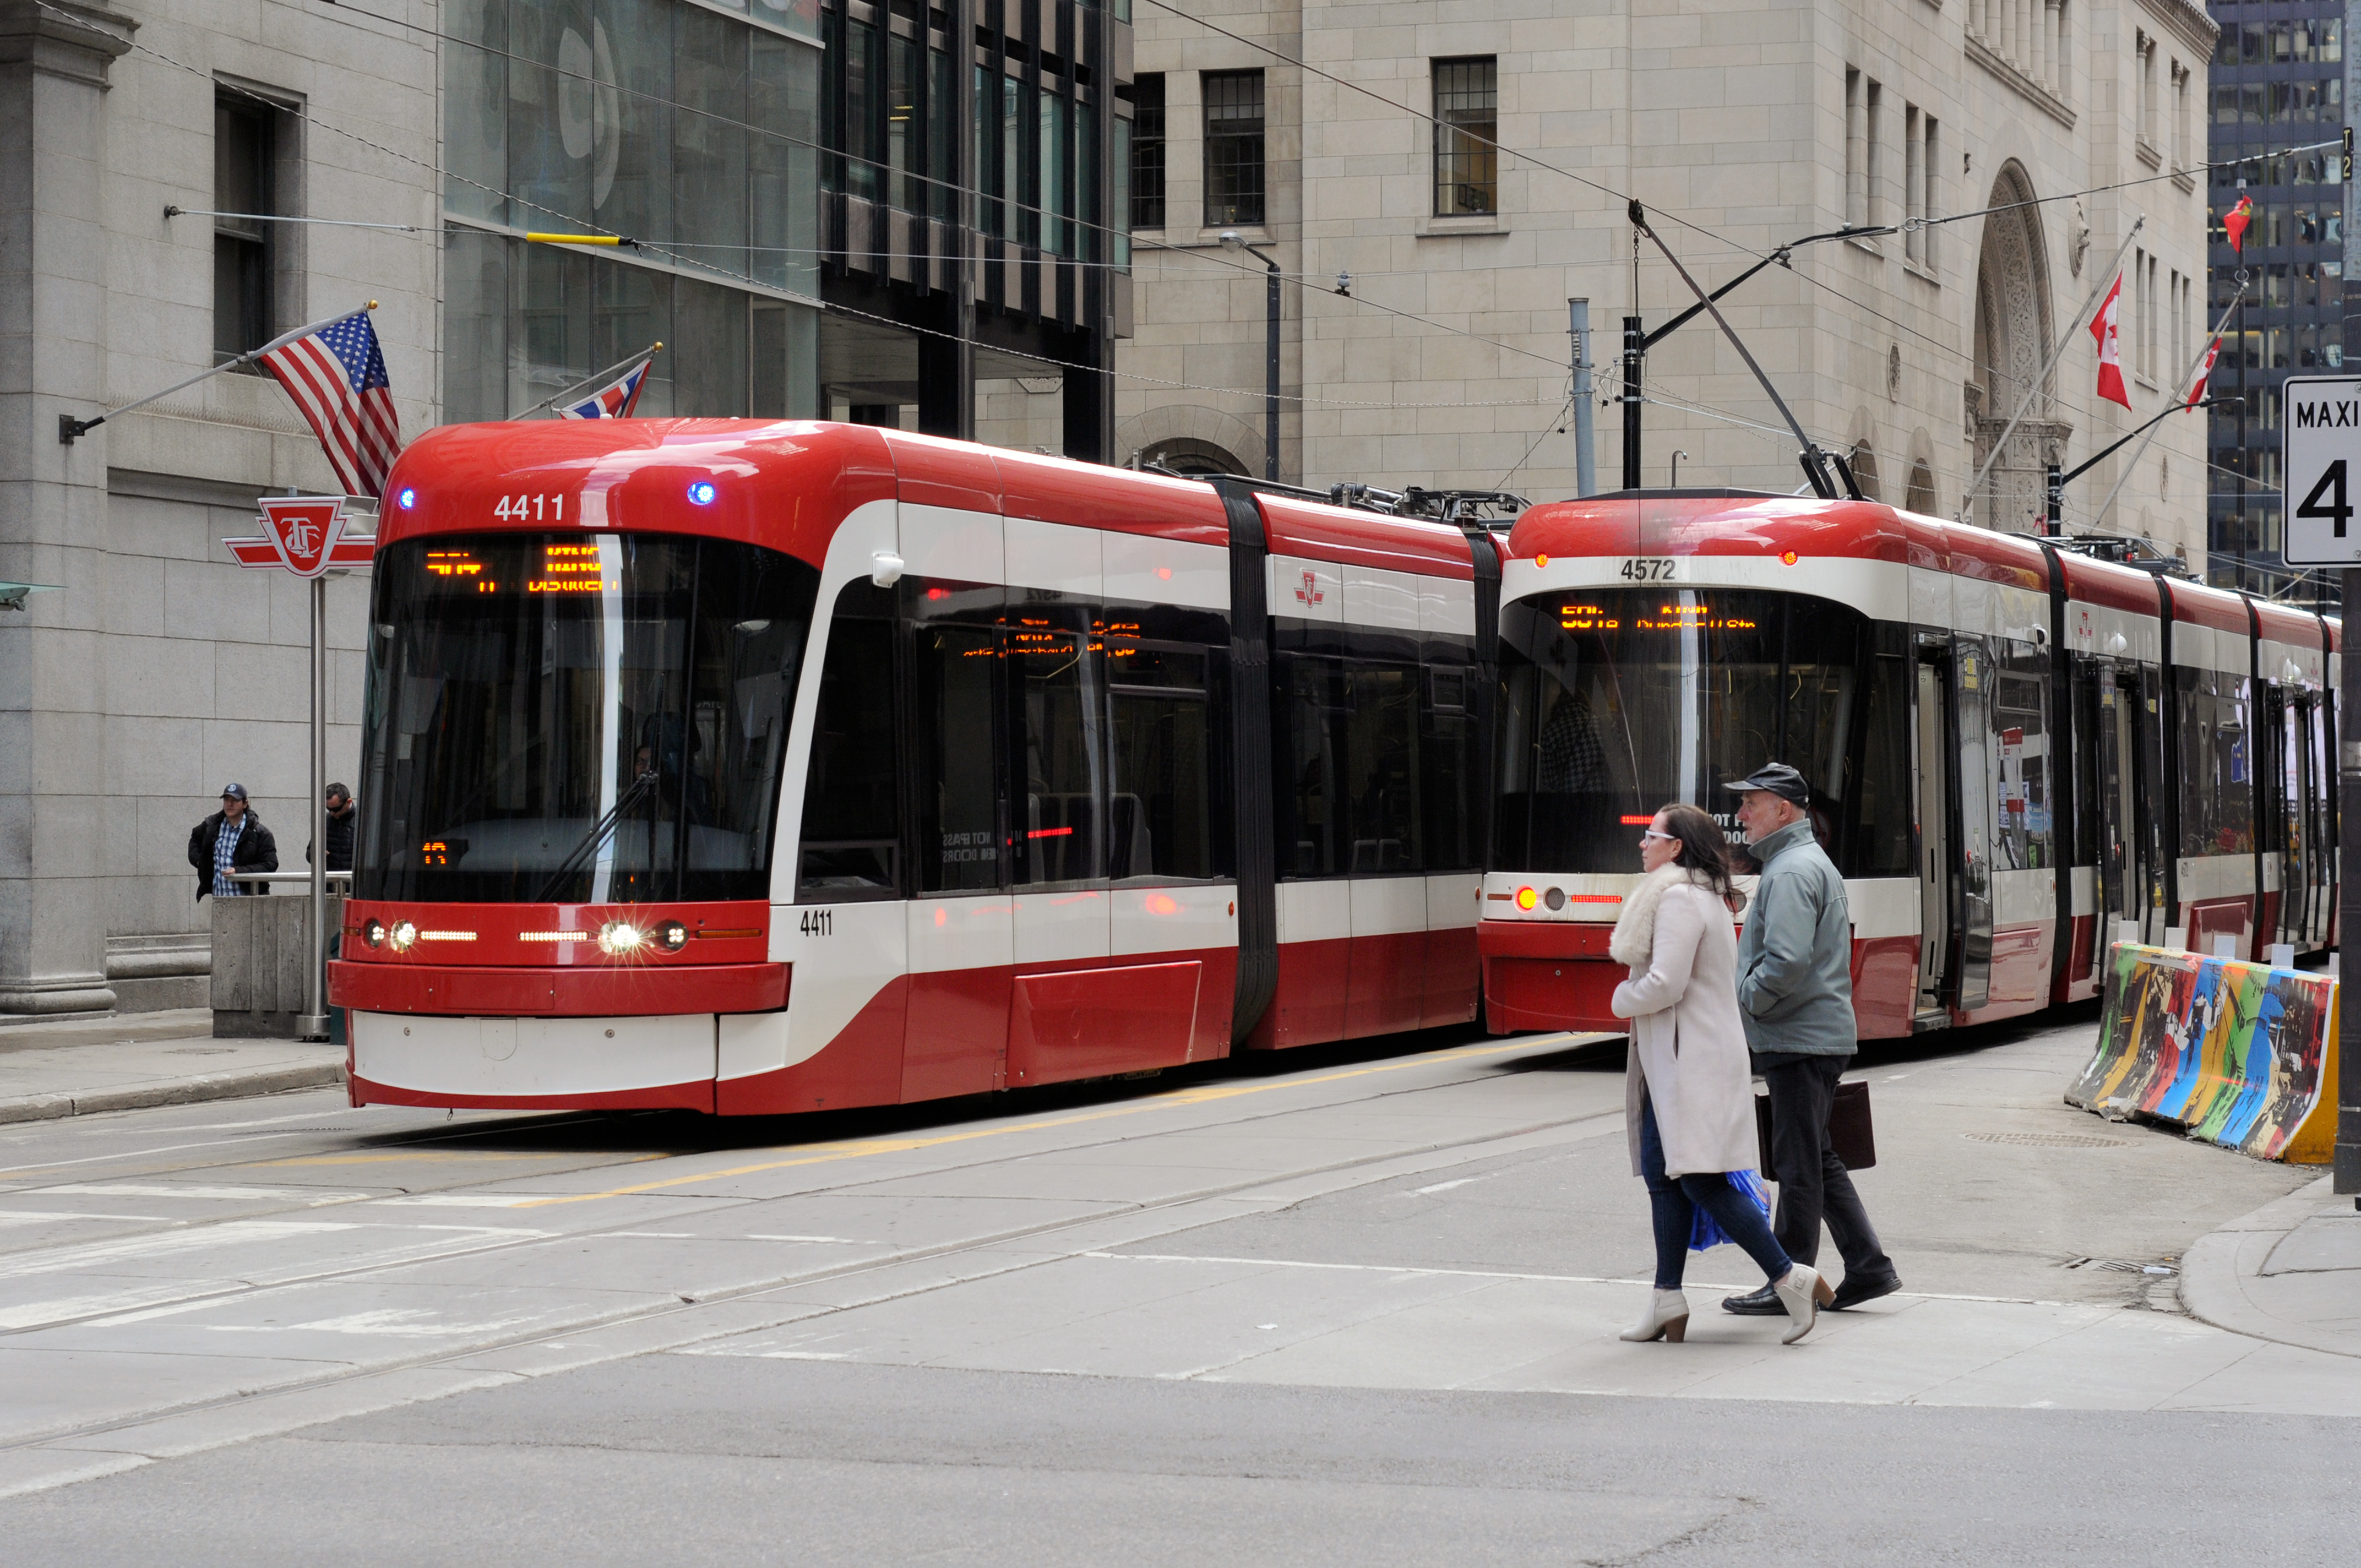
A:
(1813, 1182)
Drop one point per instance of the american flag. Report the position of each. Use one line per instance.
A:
(336, 377)
(614, 401)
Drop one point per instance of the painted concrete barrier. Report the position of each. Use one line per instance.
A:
(2235, 1054)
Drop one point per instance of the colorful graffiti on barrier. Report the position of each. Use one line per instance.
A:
(2234, 1053)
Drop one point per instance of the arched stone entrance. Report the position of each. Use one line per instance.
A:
(2013, 328)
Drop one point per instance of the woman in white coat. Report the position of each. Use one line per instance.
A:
(1689, 1095)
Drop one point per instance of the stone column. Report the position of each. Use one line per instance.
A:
(54, 61)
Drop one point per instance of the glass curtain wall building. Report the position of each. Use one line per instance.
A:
(975, 150)
(2277, 85)
(691, 127)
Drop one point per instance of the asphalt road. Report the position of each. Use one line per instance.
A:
(1357, 1306)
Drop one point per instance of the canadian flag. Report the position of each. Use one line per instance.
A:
(2204, 371)
(2111, 360)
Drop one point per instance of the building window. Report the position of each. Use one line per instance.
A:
(2180, 116)
(2145, 49)
(246, 157)
(1233, 172)
(1467, 124)
(1872, 105)
(1930, 240)
(1856, 190)
(700, 134)
(1147, 151)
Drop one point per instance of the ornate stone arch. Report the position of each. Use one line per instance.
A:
(1193, 430)
(1862, 456)
(1921, 497)
(2015, 331)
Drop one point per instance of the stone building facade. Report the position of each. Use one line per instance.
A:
(320, 157)
(1425, 320)
(160, 671)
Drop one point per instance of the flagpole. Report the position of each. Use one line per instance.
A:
(650, 352)
(71, 430)
(2099, 518)
(2032, 391)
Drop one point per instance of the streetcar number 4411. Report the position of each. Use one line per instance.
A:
(818, 922)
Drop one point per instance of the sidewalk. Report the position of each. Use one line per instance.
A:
(2291, 1271)
(76, 1067)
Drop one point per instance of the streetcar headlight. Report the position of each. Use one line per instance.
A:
(1527, 898)
(402, 935)
(373, 933)
(672, 936)
(620, 936)
(701, 493)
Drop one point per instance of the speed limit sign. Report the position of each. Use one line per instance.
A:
(2323, 430)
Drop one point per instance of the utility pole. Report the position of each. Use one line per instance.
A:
(1586, 473)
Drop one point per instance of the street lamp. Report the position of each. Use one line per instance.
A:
(1233, 240)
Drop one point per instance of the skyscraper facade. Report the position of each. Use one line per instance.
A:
(2278, 113)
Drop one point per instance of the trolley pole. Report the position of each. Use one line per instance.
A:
(2057, 489)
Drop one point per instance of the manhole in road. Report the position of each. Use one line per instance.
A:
(2121, 1266)
(2046, 1140)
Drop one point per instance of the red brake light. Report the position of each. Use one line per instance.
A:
(1527, 898)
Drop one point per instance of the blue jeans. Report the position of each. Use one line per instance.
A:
(1675, 1200)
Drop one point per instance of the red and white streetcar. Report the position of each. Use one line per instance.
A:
(2013, 747)
(757, 767)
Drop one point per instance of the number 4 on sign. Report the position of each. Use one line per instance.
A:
(2330, 486)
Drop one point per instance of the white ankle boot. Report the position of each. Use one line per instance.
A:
(1668, 1319)
(1803, 1292)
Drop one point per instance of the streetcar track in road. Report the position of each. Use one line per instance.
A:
(824, 1153)
(491, 1241)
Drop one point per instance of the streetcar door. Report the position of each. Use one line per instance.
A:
(2124, 870)
(1934, 759)
(2299, 877)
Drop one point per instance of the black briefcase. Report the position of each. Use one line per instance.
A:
(1849, 1128)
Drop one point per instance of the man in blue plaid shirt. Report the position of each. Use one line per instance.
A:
(231, 841)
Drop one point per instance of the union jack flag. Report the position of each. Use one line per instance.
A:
(336, 377)
(614, 401)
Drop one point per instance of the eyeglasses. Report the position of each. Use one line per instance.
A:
(1660, 838)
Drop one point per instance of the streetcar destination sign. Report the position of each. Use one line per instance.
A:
(2322, 470)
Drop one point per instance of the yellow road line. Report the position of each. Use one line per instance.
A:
(825, 1153)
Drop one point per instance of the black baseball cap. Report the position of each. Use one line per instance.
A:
(233, 792)
(1778, 779)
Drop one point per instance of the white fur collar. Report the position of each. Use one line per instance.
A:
(1634, 942)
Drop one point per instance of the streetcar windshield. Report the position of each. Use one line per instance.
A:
(1617, 701)
(578, 717)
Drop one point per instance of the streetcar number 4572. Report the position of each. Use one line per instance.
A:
(1647, 569)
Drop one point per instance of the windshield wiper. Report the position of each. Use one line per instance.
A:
(601, 831)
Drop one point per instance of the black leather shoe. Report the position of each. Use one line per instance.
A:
(1763, 1303)
(1855, 1290)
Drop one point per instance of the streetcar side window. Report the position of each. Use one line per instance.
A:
(851, 837)
(1380, 779)
(1160, 808)
(1885, 808)
(1056, 681)
(2216, 782)
(2021, 749)
(1311, 696)
(1451, 770)
(956, 762)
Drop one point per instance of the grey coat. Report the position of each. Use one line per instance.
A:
(1688, 1047)
(1795, 959)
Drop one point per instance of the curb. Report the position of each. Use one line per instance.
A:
(240, 1085)
(2215, 1272)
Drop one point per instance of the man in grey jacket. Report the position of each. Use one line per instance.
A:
(1794, 992)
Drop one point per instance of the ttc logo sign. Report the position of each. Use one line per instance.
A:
(302, 534)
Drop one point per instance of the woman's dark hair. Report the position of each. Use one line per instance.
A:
(1702, 846)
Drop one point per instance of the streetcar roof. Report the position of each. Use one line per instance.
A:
(790, 484)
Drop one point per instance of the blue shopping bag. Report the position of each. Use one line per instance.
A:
(1704, 1233)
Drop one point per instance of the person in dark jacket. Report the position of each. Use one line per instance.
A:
(231, 839)
(340, 815)
(1794, 992)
